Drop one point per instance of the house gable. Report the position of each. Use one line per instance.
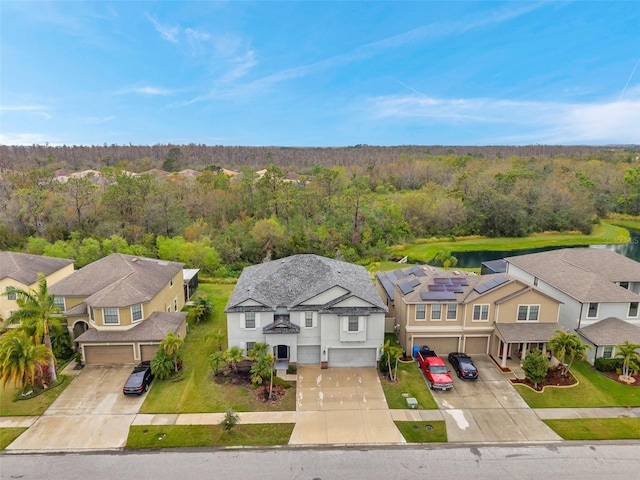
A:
(326, 297)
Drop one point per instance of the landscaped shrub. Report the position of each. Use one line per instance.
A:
(608, 364)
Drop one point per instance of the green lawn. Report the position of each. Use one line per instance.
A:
(424, 250)
(593, 390)
(196, 391)
(8, 435)
(597, 428)
(10, 406)
(175, 436)
(419, 432)
(410, 381)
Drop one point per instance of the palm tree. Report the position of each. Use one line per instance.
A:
(262, 369)
(258, 350)
(172, 346)
(234, 355)
(566, 345)
(162, 364)
(446, 259)
(202, 309)
(36, 312)
(20, 359)
(392, 354)
(630, 354)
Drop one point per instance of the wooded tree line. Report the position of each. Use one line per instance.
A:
(353, 212)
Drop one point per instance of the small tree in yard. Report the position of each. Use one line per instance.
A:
(567, 346)
(630, 353)
(172, 346)
(230, 420)
(535, 366)
(263, 369)
(217, 360)
(162, 364)
(392, 354)
(234, 356)
(202, 309)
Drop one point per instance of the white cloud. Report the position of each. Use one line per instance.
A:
(614, 121)
(24, 138)
(170, 34)
(38, 109)
(145, 90)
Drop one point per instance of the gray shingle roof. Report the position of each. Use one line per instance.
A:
(24, 267)
(118, 280)
(527, 332)
(610, 331)
(292, 280)
(153, 329)
(586, 274)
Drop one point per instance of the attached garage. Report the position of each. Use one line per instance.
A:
(353, 357)
(476, 345)
(308, 354)
(147, 352)
(442, 345)
(108, 354)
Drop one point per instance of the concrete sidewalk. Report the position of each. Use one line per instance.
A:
(574, 413)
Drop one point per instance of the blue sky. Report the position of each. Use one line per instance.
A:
(320, 73)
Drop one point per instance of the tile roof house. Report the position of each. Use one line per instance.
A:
(595, 286)
(309, 310)
(120, 307)
(20, 270)
(456, 311)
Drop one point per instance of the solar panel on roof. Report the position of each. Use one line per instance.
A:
(481, 288)
(436, 288)
(419, 273)
(489, 284)
(441, 281)
(501, 279)
(405, 288)
(453, 288)
(388, 286)
(460, 281)
(414, 282)
(437, 296)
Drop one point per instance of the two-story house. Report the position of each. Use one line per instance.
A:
(20, 270)
(309, 310)
(456, 311)
(119, 308)
(599, 290)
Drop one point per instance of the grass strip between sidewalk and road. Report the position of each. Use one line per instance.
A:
(423, 432)
(596, 428)
(9, 434)
(410, 383)
(593, 390)
(176, 436)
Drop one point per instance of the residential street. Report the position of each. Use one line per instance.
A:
(577, 461)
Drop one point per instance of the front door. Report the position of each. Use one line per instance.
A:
(283, 352)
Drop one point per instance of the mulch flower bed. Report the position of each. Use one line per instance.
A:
(553, 379)
(242, 377)
(618, 378)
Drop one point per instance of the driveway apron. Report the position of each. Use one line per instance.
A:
(489, 410)
(92, 413)
(341, 406)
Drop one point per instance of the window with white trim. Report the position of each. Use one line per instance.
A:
(421, 312)
(136, 312)
(308, 319)
(528, 313)
(633, 310)
(11, 295)
(91, 315)
(452, 311)
(110, 316)
(353, 323)
(59, 302)
(250, 320)
(592, 312)
(607, 352)
(436, 312)
(480, 313)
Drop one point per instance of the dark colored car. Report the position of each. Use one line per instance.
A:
(463, 365)
(139, 380)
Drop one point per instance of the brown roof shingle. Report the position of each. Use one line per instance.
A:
(153, 329)
(24, 267)
(610, 331)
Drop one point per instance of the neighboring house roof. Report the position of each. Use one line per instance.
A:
(118, 280)
(189, 273)
(527, 332)
(610, 331)
(24, 267)
(291, 281)
(153, 329)
(586, 274)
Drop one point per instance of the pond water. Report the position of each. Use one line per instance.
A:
(474, 259)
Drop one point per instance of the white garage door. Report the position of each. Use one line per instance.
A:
(442, 345)
(476, 345)
(352, 357)
(309, 354)
(108, 355)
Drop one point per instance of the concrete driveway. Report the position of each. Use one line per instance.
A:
(341, 406)
(92, 413)
(489, 409)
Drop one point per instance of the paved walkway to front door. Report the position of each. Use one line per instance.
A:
(341, 406)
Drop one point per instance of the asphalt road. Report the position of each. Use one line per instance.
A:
(576, 461)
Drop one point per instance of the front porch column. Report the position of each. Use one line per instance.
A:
(525, 348)
(505, 349)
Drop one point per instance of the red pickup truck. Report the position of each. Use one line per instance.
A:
(434, 369)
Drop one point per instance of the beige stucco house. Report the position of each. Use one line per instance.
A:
(119, 308)
(457, 311)
(20, 270)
